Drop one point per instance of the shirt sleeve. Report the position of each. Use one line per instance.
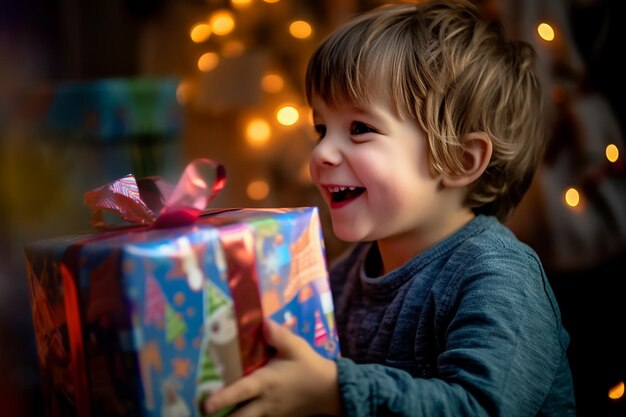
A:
(370, 390)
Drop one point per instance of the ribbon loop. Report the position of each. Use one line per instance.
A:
(152, 201)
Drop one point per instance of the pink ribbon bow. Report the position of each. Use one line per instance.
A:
(151, 201)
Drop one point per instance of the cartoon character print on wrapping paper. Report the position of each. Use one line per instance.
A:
(219, 363)
(311, 315)
(287, 260)
(167, 290)
(292, 275)
(173, 403)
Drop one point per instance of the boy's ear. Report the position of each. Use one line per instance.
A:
(477, 148)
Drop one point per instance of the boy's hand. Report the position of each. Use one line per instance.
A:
(296, 382)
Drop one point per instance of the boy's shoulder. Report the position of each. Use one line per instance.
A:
(493, 248)
(487, 236)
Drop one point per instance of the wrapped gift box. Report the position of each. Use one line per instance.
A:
(145, 321)
(108, 109)
(119, 125)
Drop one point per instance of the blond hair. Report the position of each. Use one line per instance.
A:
(454, 73)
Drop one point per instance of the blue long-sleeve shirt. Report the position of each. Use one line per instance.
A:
(469, 327)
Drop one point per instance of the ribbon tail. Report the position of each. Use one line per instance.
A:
(238, 244)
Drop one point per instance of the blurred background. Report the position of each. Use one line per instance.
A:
(93, 90)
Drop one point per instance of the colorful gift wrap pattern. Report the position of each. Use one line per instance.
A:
(167, 316)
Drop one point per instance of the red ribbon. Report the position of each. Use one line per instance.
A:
(238, 244)
(77, 349)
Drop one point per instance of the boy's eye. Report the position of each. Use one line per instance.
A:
(359, 128)
(321, 131)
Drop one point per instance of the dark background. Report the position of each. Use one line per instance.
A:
(43, 43)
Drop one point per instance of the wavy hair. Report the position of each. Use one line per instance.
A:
(454, 73)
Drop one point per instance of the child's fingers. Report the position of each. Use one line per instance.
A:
(245, 389)
(250, 409)
(281, 338)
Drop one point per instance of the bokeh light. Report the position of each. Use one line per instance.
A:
(617, 392)
(300, 29)
(208, 61)
(287, 115)
(546, 32)
(200, 32)
(258, 132)
(258, 189)
(241, 4)
(272, 83)
(612, 153)
(222, 22)
(572, 197)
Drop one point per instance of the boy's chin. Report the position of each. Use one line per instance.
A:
(349, 236)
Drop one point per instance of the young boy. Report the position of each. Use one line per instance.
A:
(429, 125)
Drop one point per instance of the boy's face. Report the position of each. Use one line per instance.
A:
(371, 167)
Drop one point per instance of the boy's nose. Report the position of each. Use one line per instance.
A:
(326, 153)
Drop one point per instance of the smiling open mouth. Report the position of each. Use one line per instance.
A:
(344, 194)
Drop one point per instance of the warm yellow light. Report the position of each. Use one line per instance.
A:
(271, 1)
(617, 392)
(300, 29)
(272, 83)
(241, 4)
(183, 92)
(233, 48)
(258, 189)
(287, 115)
(572, 197)
(200, 32)
(258, 132)
(612, 153)
(545, 31)
(208, 61)
(222, 22)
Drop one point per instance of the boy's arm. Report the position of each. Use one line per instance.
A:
(296, 382)
(502, 351)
